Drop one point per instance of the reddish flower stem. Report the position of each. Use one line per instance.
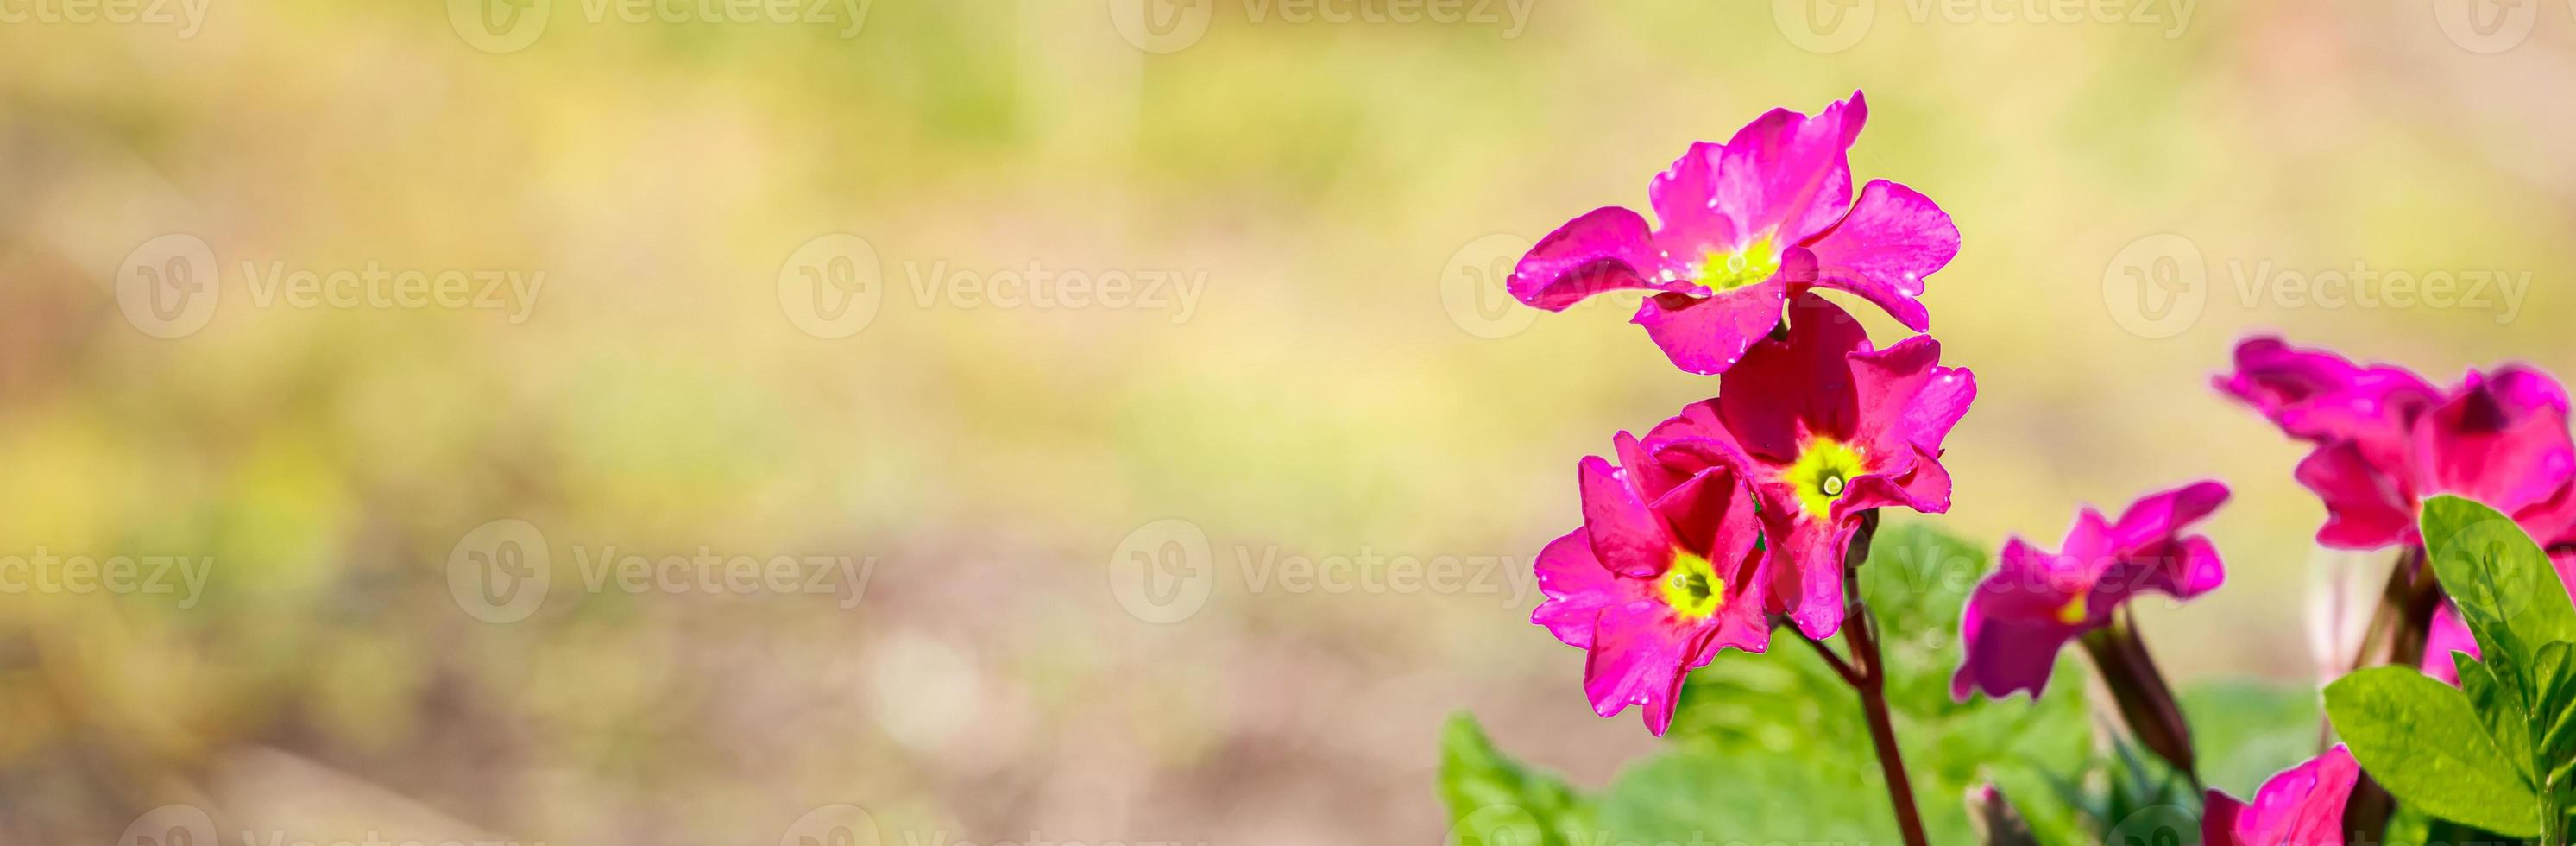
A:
(1866, 672)
(1882, 730)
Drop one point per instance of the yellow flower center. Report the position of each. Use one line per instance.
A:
(1822, 473)
(1754, 262)
(2075, 609)
(1692, 587)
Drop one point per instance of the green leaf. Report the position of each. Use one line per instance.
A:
(2503, 583)
(2500, 709)
(2423, 740)
(2553, 726)
(1495, 801)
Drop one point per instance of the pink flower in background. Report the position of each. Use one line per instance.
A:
(1666, 570)
(1743, 227)
(2386, 439)
(2302, 806)
(2450, 634)
(2036, 601)
(1823, 428)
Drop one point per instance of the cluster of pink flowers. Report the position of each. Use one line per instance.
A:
(1742, 506)
(1740, 514)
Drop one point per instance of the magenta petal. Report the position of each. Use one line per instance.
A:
(2219, 815)
(1784, 389)
(1685, 202)
(2502, 442)
(1708, 334)
(1788, 174)
(2320, 397)
(2007, 655)
(1626, 537)
(1811, 587)
(1927, 489)
(1639, 656)
(2165, 513)
(1606, 249)
(2302, 805)
(1943, 400)
(2447, 635)
(1886, 385)
(1893, 238)
(1576, 587)
(2364, 508)
(2271, 374)
(2009, 634)
(1712, 515)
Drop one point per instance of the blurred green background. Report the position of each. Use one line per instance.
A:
(1327, 373)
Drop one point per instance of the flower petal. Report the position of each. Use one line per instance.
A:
(1685, 201)
(1576, 587)
(1606, 249)
(1788, 174)
(1626, 536)
(2365, 509)
(1786, 388)
(2009, 632)
(1807, 570)
(2448, 634)
(1893, 238)
(1640, 654)
(2502, 441)
(2303, 805)
(1708, 334)
(2163, 514)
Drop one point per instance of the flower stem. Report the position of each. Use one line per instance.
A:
(1867, 674)
(1882, 731)
(2147, 703)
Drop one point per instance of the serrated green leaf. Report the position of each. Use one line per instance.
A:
(2423, 741)
(1496, 801)
(2505, 587)
(2500, 709)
